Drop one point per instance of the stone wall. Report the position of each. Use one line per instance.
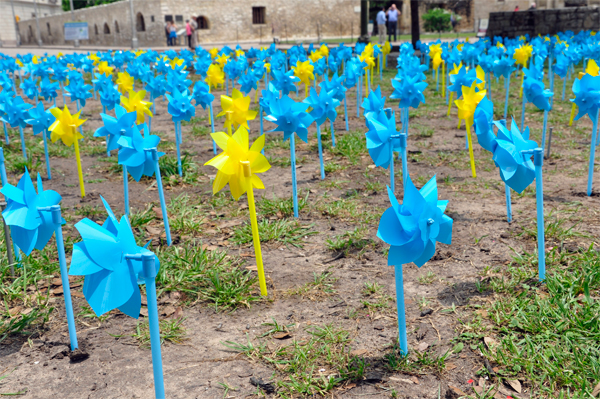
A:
(545, 22)
(24, 9)
(109, 25)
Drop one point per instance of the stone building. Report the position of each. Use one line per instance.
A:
(219, 21)
(24, 9)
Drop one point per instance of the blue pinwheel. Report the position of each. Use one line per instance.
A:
(109, 98)
(204, 98)
(78, 91)
(291, 117)
(49, 89)
(412, 231)
(504, 66)
(114, 266)
(134, 152)
(248, 82)
(336, 87)
(5, 81)
(410, 93)
(115, 127)
(374, 103)
(33, 218)
(40, 120)
(181, 109)
(561, 68)
(30, 88)
(533, 87)
(285, 81)
(323, 106)
(587, 99)
(177, 80)
(14, 112)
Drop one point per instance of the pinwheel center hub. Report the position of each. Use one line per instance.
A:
(430, 221)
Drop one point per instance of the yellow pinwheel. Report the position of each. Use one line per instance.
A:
(436, 62)
(385, 50)
(214, 76)
(104, 68)
(324, 50)
(481, 77)
(222, 60)
(175, 62)
(236, 110)
(237, 166)
(94, 57)
(315, 56)
(466, 110)
(521, 56)
(65, 128)
(136, 103)
(304, 71)
(124, 82)
(239, 53)
(213, 52)
(453, 71)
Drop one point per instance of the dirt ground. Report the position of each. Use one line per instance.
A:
(441, 297)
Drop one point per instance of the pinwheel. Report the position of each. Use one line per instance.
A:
(587, 99)
(336, 87)
(109, 98)
(135, 103)
(512, 155)
(64, 128)
(78, 91)
(33, 218)
(238, 165)
(460, 79)
(5, 81)
(105, 69)
(285, 81)
(410, 93)
(291, 117)
(533, 87)
(412, 230)
(30, 89)
(177, 79)
(214, 76)
(40, 120)
(49, 89)
(203, 97)
(115, 127)
(383, 139)
(561, 68)
(373, 103)
(113, 266)
(521, 56)
(13, 111)
(466, 111)
(248, 82)
(385, 50)
(125, 82)
(591, 69)
(7, 240)
(236, 110)
(304, 72)
(267, 98)
(323, 107)
(504, 66)
(181, 109)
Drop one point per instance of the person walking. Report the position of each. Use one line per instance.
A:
(381, 29)
(392, 13)
(188, 33)
(194, 26)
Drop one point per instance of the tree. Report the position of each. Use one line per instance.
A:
(414, 22)
(437, 20)
(77, 4)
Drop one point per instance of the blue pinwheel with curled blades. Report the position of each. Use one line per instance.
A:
(30, 227)
(413, 228)
(14, 111)
(268, 96)
(78, 90)
(380, 142)
(373, 103)
(134, 152)
(202, 95)
(115, 127)
(104, 258)
(285, 81)
(516, 169)
(110, 97)
(30, 88)
(5, 81)
(48, 89)
(248, 82)
(180, 105)
(587, 96)
(323, 105)
(290, 117)
(533, 86)
(40, 119)
(409, 91)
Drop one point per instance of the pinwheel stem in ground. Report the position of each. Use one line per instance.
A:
(592, 156)
(5, 133)
(45, 134)
(443, 79)
(401, 310)
(320, 152)
(538, 161)
(212, 126)
(470, 142)
(507, 87)
(23, 149)
(79, 171)
(508, 203)
(161, 196)
(254, 223)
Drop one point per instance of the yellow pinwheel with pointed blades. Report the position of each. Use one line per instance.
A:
(304, 71)
(236, 110)
(214, 76)
(65, 128)
(466, 110)
(105, 69)
(124, 82)
(135, 103)
(238, 166)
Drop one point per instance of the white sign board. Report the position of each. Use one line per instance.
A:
(76, 31)
(483, 26)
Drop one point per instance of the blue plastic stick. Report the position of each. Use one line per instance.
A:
(260, 116)
(346, 112)
(592, 156)
(447, 84)
(149, 266)
(332, 133)
(564, 88)
(523, 112)
(294, 186)
(320, 152)
(392, 186)
(6, 133)
(78, 109)
(358, 86)
(507, 87)
(212, 127)
(544, 130)
(161, 195)
(64, 274)
(177, 140)
(23, 150)
(597, 136)
(4, 181)
(538, 161)
(44, 133)
(404, 160)
(508, 203)
(126, 189)
(401, 310)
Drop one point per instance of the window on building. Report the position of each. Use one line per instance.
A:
(202, 22)
(49, 30)
(168, 18)
(140, 25)
(106, 29)
(178, 19)
(258, 15)
(96, 29)
(117, 27)
(151, 18)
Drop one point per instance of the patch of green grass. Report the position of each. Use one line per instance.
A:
(351, 242)
(280, 206)
(139, 219)
(415, 361)
(322, 284)
(88, 313)
(351, 145)
(170, 171)
(275, 327)
(171, 330)
(557, 229)
(195, 120)
(427, 278)
(285, 161)
(186, 215)
(203, 275)
(301, 363)
(283, 231)
(331, 167)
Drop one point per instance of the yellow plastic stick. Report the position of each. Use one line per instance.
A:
(437, 74)
(256, 95)
(450, 102)
(459, 123)
(305, 90)
(443, 79)
(255, 237)
(209, 121)
(468, 122)
(79, 171)
(371, 76)
(572, 114)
